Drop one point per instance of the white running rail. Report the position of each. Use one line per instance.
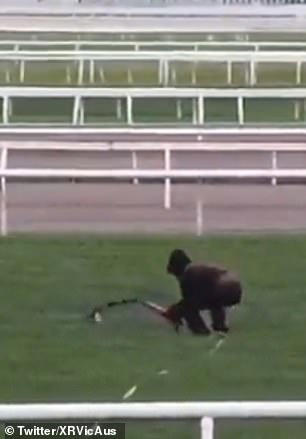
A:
(205, 412)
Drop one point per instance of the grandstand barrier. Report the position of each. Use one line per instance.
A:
(205, 412)
(128, 95)
(164, 60)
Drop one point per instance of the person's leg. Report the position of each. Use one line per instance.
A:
(218, 316)
(195, 322)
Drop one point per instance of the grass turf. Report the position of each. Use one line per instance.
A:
(51, 353)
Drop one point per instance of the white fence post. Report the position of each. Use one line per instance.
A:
(194, 111)
(298, 72)
(129, 109)
(80, 71)
(207, 428)
(199, 218)
(179, 113)
(167, 190)
(3, 193)
(134, 165)
(201, 112)
(274, 167)
(92, 71)
(240, 110)
(229, 72)
(5, 109)
(76, 110)
(160, 71)
(166, 72)
(22, 71)
(253, 78)
(119, 109)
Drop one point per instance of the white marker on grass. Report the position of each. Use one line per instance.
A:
(217, 346)
(129, 393)
(133, 389)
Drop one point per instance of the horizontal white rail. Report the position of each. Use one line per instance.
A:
(199, 95)
(154, 92)
(153, 410)
(152, 147)
(138, 45)
(120, 174)
(156, 55)
(99, 131)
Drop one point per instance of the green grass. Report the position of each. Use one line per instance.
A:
(145, 74)
(152, 110)
(104, 111)
(51, 353)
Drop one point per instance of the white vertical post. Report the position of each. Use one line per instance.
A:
(179, 113)
(167, 193)
(3, 194)
(134, 165)
(160, 71)
(80, 71)
(274, 167)
(166, 72)
(207, 428)
(82, 111)
(91, 71)
(3, 168)
(199, 218)
(194, 111)
(7, 76)
(3, 215)
(296, 109)
(5, 110)
(201, 111)
(129, 109)
(173, 75)
(298, 72)
(68, 75)
(10, 108)
(246, 73)
(240, 110)
(76, 108)
(102, 76)
(129, 76)
(22, 71)
(193, 75)
(229, 72)
(119, 109)
(253, 72)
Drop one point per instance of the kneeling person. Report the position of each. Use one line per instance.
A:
(203, 287)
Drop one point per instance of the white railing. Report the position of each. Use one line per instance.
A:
(167, 174)
(105, 45)
(205, 412)
(141, 134)
(198, 95)
(166, 61)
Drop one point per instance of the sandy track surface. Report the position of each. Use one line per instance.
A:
(130, 208)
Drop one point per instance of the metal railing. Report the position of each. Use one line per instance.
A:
(205, 412)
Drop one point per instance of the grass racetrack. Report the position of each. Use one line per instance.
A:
(51, 353)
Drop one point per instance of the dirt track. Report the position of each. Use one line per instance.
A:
(128, 208)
